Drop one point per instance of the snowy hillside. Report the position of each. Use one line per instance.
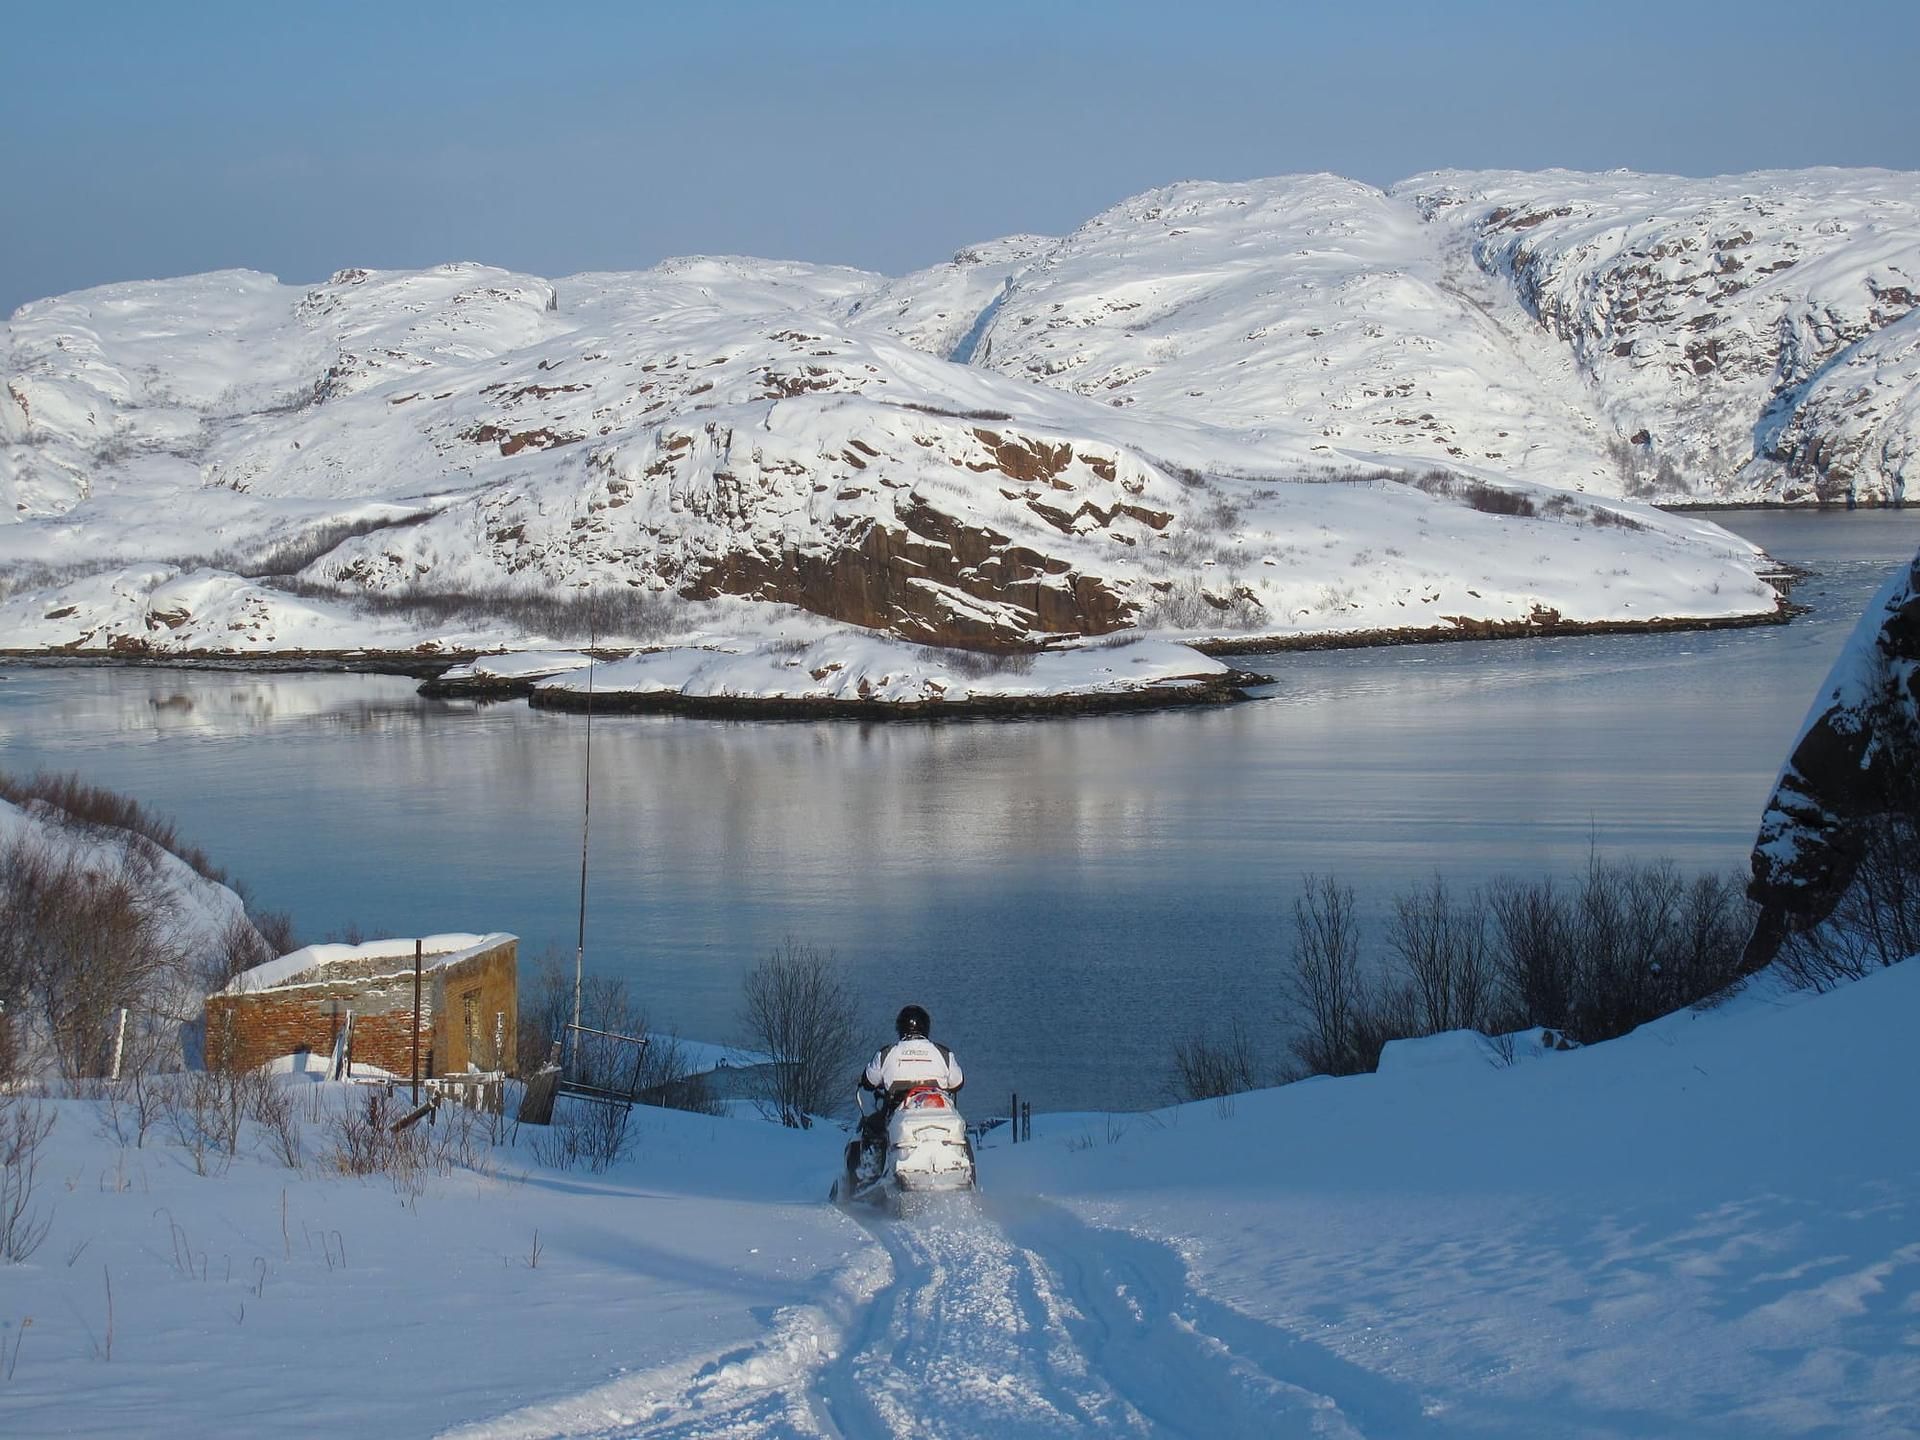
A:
(1716, 319)
(94, 917)
(1289, 406)
(1698, 1230)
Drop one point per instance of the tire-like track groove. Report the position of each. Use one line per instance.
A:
(995, 1318)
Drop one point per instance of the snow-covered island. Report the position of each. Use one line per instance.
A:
(1290, 411)
(872, 676)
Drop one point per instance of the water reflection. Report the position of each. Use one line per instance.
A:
(1065, 896)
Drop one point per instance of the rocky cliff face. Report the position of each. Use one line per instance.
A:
(1705, 314)
(1857, 761)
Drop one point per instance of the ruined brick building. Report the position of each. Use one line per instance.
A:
(469, 1010)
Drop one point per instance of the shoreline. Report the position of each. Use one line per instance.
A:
(1230, 688)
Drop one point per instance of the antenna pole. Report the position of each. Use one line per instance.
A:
(586, 816)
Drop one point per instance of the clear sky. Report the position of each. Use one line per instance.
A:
(148, 139)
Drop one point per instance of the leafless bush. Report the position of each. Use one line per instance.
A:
(1206, 1067)
(626, 612)
(95, 809)
(1475, 494)
(799, 1010)
(1625, 944)
(1622, 945)
(546, 1005)
(271, 1107)
(1192, 604)
(241, 946)
(1877, 921)
(585, 1134)
(276, 930)
(295, 552)
(24, 576)
(364, 1142)
(204, 1109)
(1325, 984)
(954, 414)
(667, 1079)
(1533, 950)
(979, 664)
(24, 1128)
(1441, 945)
(81, 935)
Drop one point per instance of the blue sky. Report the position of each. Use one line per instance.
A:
(139, 140)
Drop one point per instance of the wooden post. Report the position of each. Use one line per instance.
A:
(1013, 1117)
(416, 1022)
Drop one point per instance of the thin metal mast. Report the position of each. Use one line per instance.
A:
(586, 818)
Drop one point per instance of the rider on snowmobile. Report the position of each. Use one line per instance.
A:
(915, 1058)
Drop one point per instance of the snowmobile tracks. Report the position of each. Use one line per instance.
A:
(997, 1317)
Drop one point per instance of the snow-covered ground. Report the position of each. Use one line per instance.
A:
(1705, 1229)
(1211, 411)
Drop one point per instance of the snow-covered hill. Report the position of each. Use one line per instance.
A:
(1131, 427)
(1715, 319)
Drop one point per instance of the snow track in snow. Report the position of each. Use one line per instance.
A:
(1004, 1318)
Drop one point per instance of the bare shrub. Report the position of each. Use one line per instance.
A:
(203, 1110)
(1475, 494)
(1624, 944)
(271, 1107)
(142, 1086)
(546, 1005)
(1324, 981)
(799, 1010)
(626, 612)
(295, 552)
(276, 931)
(1207, 1067)
(80, 937)
(585, 1134)
(24, 1128)
(1627, 943)
(1533, 952)
(1877, 920)
(240, 947)
(1441, 945)
(363, 1141)
(979, 664)
(1192, 604)
(668, 1079)
(94, 808)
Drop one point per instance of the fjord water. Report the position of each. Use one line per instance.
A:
(1068, 897)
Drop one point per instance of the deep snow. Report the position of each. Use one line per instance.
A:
(1706, 1228)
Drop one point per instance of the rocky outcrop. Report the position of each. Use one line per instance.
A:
(1857, 760)
(1714, 320)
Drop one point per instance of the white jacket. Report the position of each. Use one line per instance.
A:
(915, 1061)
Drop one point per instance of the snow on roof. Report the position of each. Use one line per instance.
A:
(436, 951)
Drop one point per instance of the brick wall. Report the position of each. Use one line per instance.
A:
(307, 1013)
(476, 1010)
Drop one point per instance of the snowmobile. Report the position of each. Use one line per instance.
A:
(927, 1152)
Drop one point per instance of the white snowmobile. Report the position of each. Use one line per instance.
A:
(927, 1152)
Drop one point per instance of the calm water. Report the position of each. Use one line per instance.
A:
(1065, 896)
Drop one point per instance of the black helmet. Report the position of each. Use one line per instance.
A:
(912, 1021)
